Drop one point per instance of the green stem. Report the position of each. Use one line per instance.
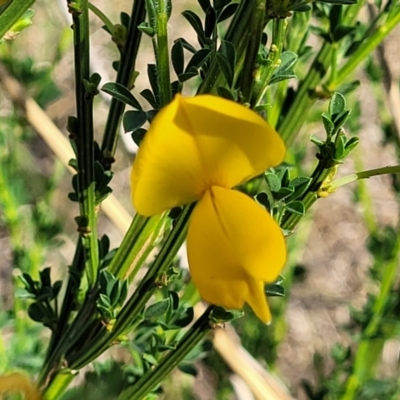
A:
(58, 385)
(154, 376)
(370, 344)
(84, 141)
(147, 286)
(264, 75)
(304, 98)
(364, 175)
(255, 31)
(127, 65)
(136, 245)
(12, 14)
(236, 34)
(76, 270)
(162, 51)
(305, 95)
(366, 48)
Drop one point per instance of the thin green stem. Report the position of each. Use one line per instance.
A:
(12, 13)
(264, 74)
(162, 56)
(305, 97)
(137, 243)
(147, 286)
(236, 34)
(87, 222)
(255, 31)
(76, 270)
(58, 385)
(366, 48)
(364, 175)
(125, 70)
(154, 376)
(369, 345)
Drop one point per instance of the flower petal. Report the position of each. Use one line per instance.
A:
(167, 169)
(18, 383)
(235, 143)
(194, 143)
(234, 246)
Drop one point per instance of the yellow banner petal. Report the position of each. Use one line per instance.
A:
(234, 246)
(235, 143)
(194, 143)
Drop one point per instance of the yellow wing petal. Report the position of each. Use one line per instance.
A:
(198, 142)
(234, 246)
(167, 170)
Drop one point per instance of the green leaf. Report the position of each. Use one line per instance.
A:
(225, 67)
(195, 21)
(158, 309)
(273, 181)
(150, 359)
(149, 96)
(351, 144)
(138, 135)
(274, 290)
(177, 57)
(204, 4)
(328, 124)
(263, 199)
(227, 12)
(198, 59)
(133, 120)
(296, 207)
(210, 22)
(337, 105)
(220, 315)
(187, 368)
(225, 93)
(122, 94)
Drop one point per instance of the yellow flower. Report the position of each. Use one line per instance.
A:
(18, 383)
(198, 149)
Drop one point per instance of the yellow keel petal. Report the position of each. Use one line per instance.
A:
(234, 246)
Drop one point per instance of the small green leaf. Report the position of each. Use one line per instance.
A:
(187, 368)
(296, 207)
(225, 93)
(177, 57)
(274, 290)
(273, 181)
(195, 21)
(337, 105)
(133, 120)
(328, 124)
(220, 315)
(121, 93)
(198, 59)
(157, 309)
(226, 69)
(227, 12)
